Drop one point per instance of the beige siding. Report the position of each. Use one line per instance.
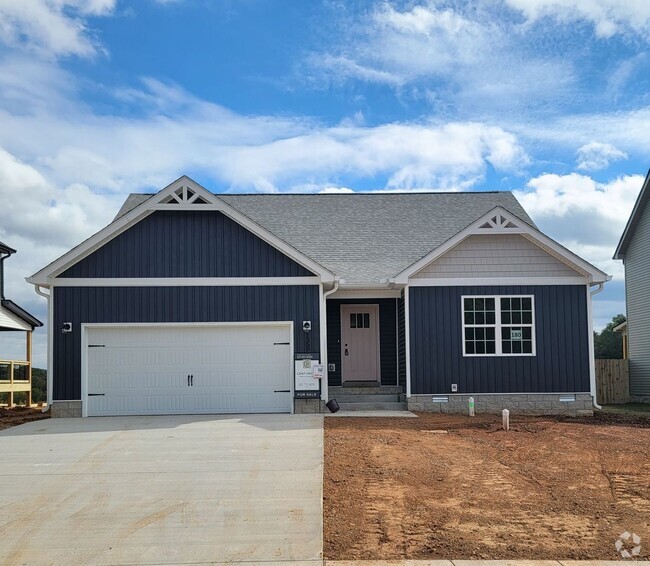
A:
(496, 255)
(637, 286)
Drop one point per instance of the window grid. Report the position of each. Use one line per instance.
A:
(360, 320)
(500, 328)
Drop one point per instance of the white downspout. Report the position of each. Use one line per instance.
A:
(323, 336)
(592, 353)
(407, 340)
(50, 343)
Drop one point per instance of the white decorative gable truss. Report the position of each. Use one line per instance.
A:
(500, 221)
(182, 194)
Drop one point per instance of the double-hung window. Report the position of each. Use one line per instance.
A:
(498, 325)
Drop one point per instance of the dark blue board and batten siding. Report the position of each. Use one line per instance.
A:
(561, 326)
(173, 304)
(186, 244)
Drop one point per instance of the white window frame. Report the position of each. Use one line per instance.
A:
(498, 326)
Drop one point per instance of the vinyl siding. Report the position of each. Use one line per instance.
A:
(496, 255)
(637, 287)
(387, 337)
(401, 341)
(186, 244)
(173, 304)
(561, 326)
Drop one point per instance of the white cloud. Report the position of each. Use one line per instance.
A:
(178, 132)
(607, 16)
(586, 216)
(464, 56)
(52, 27)
(594, 156)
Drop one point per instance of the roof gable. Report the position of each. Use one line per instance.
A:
(637, 212)
(500, 222)
(171, 244)
(181, 195)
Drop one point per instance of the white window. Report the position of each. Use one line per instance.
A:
(502, 325)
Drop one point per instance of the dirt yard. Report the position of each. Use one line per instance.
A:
(548, 489)
(20, 415)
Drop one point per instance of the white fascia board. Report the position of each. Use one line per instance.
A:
(500, 281)
(182, 281)
(366, 294)
(45, 276)
(592, 273)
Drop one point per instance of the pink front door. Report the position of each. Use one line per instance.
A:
(360, 343)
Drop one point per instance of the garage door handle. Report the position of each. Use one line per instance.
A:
(190, 380)
(281, 343)
(96, 394)
(282, 391)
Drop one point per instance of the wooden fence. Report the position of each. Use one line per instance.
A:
(612, 382)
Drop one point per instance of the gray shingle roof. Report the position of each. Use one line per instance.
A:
(364, 237)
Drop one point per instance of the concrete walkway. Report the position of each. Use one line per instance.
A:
(162, 490)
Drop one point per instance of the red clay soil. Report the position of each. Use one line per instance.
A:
(20, 415)
(548, 489)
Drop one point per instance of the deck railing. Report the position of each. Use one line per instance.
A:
(15, 376)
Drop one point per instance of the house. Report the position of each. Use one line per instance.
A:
(194, 302)
(634, 250)
(15, 375)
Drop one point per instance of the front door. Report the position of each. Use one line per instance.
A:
(360, 343)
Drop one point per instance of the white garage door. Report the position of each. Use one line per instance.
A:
(166, 369)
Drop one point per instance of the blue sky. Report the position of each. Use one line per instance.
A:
(99, 98)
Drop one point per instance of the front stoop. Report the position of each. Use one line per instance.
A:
(378, 398)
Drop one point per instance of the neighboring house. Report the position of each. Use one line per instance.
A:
(194, 302)
(634, 250)
(15, 375)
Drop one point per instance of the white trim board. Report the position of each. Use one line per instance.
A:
(500, 221)
(84, 346)
(161, 201)
(498, 281)
(366, 294)
(182, 281)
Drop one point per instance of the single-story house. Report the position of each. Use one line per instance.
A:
(195, 302)
(634, 250)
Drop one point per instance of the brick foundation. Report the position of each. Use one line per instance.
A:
(66, 409)
(308, 406)
(517, 403)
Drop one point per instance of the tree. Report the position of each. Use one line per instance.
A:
(609, 344)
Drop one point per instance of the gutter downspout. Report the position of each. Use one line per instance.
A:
(323, 326)
(50, 345)
(592, 354)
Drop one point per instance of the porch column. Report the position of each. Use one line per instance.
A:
(407, 340)
(324, 393)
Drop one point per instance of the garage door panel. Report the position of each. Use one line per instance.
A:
(143, 370)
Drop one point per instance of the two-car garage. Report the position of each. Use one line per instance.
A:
(153, 369)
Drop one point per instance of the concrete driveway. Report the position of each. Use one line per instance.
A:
(162, 490)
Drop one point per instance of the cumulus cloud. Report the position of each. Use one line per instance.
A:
(52, 28)
(594, 156)
(586, 216)
(607, 16)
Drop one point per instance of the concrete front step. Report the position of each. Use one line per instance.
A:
(354, 398)
(384, 390)
(372, 406)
